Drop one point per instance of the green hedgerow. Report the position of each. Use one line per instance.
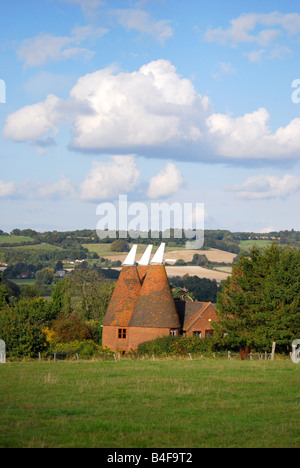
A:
(176, 346)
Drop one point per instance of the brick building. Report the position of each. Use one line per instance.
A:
(142, 307)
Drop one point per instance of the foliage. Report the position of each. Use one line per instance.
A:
(176, 345)
(84, 292)
(85, 349)
(67, 329)
(260, 303)
(45, 276)
(21, 326)
(120, 245)
(201, 289)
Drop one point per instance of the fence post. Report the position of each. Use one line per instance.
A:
(229, 357)
(273, 350)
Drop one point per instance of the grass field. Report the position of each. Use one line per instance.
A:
(260, 243)
(150, 404)
(24, 282)
(15, 239)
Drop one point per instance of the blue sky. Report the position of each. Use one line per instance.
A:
(159, 100)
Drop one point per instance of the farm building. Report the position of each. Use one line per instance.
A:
(142, 307)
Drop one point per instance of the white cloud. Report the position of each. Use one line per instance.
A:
(153, 112)
(267, 230)
(107, 180)
(152, 107)
(266, 186)
(165, 183)
(249, 136)
(34, 122)
(262, 30)
(141, 21)
(61, 189)
(7, 189)
(38, 50)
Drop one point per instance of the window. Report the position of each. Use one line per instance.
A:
(122, 333)
(197, 334)
(173, 332)
(209, 333)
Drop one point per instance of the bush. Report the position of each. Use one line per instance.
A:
(68, 329)
(176, 346)
(85, 349)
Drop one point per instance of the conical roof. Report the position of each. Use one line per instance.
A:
(124, 298)
(142, 271)
(155, 306)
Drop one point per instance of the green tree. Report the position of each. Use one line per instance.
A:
(21, 326)
(260, 302)
(45, 276)
(120, 245)
(84, 292)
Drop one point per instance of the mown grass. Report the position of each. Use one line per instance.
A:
(150, 404)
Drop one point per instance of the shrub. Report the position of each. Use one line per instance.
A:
(68, 329)
(176, 345)
(85, 349)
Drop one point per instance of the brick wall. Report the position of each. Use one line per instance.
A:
(134, 336)
(204, 322)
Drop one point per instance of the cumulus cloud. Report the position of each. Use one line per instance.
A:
(7, 189)
(250, 137)
(142, 22)
(152, 107)
(33, 123)
(107, 180)
(266, 186)
(153, 112)
(38, 50)
(165, 183)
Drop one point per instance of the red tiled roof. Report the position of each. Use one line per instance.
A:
(124, 298)
(155, 306)
(190, 312)
(142, 271)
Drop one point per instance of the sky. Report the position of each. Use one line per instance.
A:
(164, 101)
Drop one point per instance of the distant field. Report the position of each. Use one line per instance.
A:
(197, 271)
(210, 403)
(23, 282)
(260, 243)
(43, 247)
(15, 239)
(213, 255)
(104, 250)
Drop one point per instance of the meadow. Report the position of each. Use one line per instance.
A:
(150, 404)
(245, 245)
